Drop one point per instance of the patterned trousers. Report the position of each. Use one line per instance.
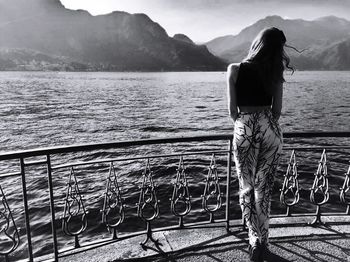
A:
(257, 144)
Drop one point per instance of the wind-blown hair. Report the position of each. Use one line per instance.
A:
(267, 52)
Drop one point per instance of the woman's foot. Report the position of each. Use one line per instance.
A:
(255, 252)
(265, 252)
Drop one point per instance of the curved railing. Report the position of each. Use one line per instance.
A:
(107, 159)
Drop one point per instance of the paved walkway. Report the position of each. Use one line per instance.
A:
(292, 239)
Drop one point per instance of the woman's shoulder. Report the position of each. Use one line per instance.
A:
(232, 71)
(233, 68)
(245, 64)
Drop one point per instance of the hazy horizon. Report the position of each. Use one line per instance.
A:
(204, 20)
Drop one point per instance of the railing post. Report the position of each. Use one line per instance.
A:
(228, 183)
(52, 207)
(26, 211)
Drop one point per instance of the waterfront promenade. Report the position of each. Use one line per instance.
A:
(292, 239)
(191, 223)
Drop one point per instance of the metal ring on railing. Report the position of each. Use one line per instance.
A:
(320, 184)
(320, 187)
(180, 198)
(290, 189)
(148, 196)
(345, 191)
(73, 209)
(212, 190)
(148, 205)
(9, 240)
(113, 213)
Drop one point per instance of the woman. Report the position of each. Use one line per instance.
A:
(255, 103)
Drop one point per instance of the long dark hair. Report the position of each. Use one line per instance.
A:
(267, 51)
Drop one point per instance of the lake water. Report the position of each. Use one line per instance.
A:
(40, 109)
(44, 109)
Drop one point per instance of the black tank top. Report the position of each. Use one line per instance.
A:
(250, 89)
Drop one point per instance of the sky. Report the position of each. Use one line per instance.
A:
(204, 20)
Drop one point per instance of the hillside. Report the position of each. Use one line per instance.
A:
(336, 57)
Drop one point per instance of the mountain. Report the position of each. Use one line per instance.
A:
(116, 41)
(335, 57)
(315, 36)
(183, 38)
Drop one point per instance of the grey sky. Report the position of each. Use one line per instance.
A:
(203, 20)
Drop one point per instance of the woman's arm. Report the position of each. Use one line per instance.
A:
(277, 102)
(232, 73)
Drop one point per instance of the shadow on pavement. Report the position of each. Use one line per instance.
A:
(307, 248)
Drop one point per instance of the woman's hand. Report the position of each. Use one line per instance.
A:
(234, 115)
(277, 102)
(276, 115)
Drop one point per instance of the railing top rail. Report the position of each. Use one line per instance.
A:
(121, 144)
(108, 145)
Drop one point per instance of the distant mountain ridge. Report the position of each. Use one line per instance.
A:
(65, 39)
(44, 35)
(325, 40)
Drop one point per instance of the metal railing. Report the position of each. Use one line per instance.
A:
(115, 209)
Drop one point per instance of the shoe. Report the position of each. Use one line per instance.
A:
(265, 252)
(254, 252)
